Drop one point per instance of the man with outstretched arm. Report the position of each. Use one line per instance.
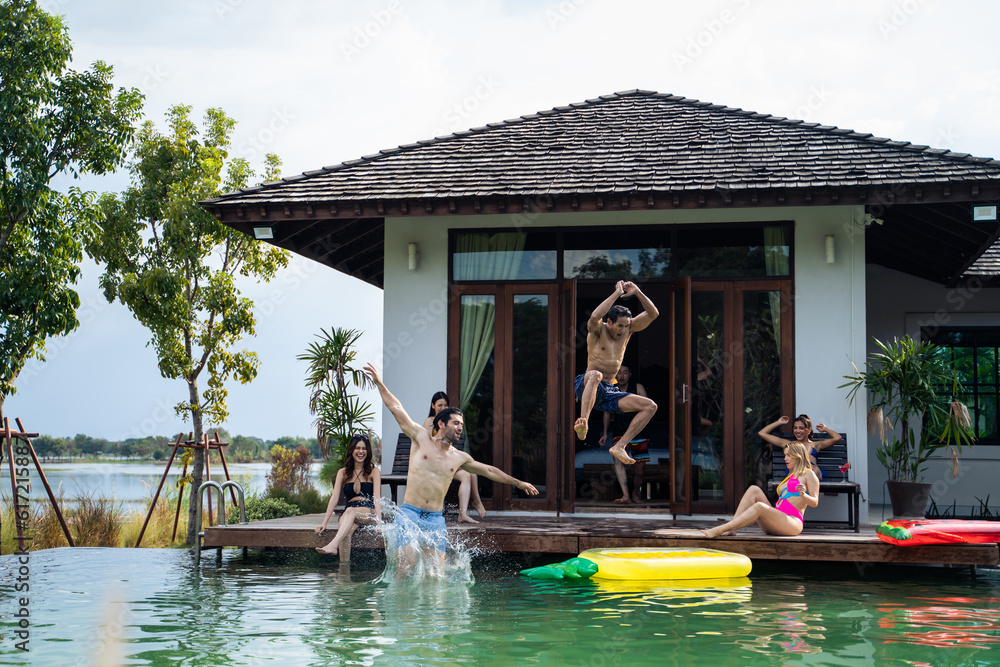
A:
(433, 463)
(608, 331)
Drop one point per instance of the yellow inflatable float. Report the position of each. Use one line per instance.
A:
(667, 563)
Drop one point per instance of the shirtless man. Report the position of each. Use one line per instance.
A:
(606, 341)
(433, 463)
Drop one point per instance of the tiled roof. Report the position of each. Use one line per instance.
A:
(988, 263)
(629, 142)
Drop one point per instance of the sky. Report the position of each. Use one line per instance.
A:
(319, 83)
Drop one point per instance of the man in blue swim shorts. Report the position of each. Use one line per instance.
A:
(433, 463)
(606, 341)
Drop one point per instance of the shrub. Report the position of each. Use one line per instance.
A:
(259, 509)
(96, 522)
(308, 500)
(290, 469)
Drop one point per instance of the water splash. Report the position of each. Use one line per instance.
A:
(411, 559)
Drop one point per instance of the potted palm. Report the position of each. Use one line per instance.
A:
(910, 384)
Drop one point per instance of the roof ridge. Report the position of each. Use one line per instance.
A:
(607, 99)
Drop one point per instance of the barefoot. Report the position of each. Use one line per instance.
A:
(580, 426)
(623, 501)
(619, 453)
(323, 550)
(707, 533)
(481, 509)
(635, 498)
(465, 518)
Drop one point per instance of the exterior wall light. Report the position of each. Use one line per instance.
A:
(984, 212)
(831, 256)
(413, 255)
(263, 233)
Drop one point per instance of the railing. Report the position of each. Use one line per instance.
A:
(221, 520)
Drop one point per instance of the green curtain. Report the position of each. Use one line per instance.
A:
(776, 263)
(482, 257)
(477, 338)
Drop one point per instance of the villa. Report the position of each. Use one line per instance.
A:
(774, 249)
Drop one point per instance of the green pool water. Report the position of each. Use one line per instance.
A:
(149, 606)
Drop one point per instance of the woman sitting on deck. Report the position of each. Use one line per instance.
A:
(361, 483)
(802, 429)
(799, 489)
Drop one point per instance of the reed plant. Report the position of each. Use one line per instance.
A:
(95, 522)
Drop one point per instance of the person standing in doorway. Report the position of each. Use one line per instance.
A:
(637, 448)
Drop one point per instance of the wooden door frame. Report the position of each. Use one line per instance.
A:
(503, 294)
(734, 446)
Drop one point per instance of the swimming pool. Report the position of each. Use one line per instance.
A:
(153, 606)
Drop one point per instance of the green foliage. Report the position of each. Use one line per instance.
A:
(261, 508)
(55, 120)
(907, 382)
(308, 500)
(290, 469)
(328, 473)
(175, 266)
(331, 376)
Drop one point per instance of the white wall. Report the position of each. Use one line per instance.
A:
(829, 306)
(830, 335)
(900, 304)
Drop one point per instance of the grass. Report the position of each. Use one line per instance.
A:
(96, 522)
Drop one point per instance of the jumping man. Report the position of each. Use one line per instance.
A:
(433, 463)
(606, 341)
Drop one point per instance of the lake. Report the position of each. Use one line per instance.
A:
(130, 483)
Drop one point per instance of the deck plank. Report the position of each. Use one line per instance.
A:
(571, 534)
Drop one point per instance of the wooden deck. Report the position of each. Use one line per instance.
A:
(568, 534)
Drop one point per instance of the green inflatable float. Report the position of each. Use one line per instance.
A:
(574, 568)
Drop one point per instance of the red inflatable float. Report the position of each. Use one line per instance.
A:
(938, 531)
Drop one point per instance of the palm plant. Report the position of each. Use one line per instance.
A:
(331, 377)
(907, 381)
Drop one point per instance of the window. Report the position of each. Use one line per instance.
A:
(620, 255)
(733, 252)
(973, 352)
(505, 255)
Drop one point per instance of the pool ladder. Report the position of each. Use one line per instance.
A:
(209, 485)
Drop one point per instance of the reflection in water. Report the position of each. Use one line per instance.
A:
(783, 626)
(662, 596)
(948, 623)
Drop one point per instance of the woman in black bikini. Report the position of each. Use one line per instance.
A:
(361, 483)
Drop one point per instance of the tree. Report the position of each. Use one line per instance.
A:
(175, 267)
(55, 121)
(339, 414)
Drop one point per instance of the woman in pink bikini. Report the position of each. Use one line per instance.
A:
(799, 489)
